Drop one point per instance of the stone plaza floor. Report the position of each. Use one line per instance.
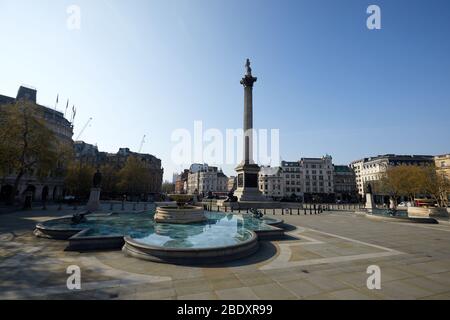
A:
(323, 257)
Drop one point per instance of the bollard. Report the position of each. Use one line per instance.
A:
(290, 211)
(265, 211)
(305, 209)
(111, 207)
(134, 206)
(226, 209)
(298, 211)
(310, 210)
(273, 211)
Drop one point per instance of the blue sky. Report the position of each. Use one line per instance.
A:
(327, 82)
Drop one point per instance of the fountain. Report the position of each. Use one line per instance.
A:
(182, 213)
(180, 233)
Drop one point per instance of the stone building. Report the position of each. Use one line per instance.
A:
(372, 169)
(272, 183)
(181, 182)
(345, 187)
(232, 184)
(309, 179)
(442, 164)
(53, 185)
(89, 154)
(204, 179)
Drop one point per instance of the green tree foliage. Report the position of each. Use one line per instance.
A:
(110, 179)
(27, 145)
(78, 178)
(437, 185)
(134, 177)
(412, 181)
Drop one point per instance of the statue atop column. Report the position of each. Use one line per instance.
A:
(369, 188)
(94, 198)
(97, 181)
(248, 68)
(248, 79)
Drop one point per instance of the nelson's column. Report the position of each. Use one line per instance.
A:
(247, 171)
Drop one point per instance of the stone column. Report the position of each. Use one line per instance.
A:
(247, 172)
(248, 82)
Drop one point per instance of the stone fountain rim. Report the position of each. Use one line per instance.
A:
(136, 243)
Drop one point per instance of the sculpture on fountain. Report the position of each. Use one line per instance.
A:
(182, 213)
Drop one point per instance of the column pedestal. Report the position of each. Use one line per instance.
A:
(247, 183)
(370, 203)
(94, 200)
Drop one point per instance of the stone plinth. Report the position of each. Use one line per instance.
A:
(423, 212)
(370, 203)
(180, 215)
(247, 184)
(94, 200)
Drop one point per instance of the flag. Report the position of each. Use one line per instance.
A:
(74, 113)
(57, 99)
(67, 106)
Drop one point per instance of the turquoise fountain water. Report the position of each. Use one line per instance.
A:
(219, 230)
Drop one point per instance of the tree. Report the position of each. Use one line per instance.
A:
(437, 185)
(78, 178)
(168, 188)
(110, 179)
(134, 177)
(27, 145)
(402, 181)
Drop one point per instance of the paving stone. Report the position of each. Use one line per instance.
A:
(272, 292)
(237, 294)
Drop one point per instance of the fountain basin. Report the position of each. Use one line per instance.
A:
(192, 256)
(180, 215)
(221, 237)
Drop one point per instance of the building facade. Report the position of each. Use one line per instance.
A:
(271, 182)
(345, 187)
(372, 169)
(442, 164)
(232, 184)
(204, 179)
(51, 186)
(181, 182)
(310, 179)
(89, 154)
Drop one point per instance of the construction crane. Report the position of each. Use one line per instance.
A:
(84, 128)
(142, 143)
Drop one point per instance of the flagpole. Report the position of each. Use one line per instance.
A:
(67, 106)
(56, 105)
